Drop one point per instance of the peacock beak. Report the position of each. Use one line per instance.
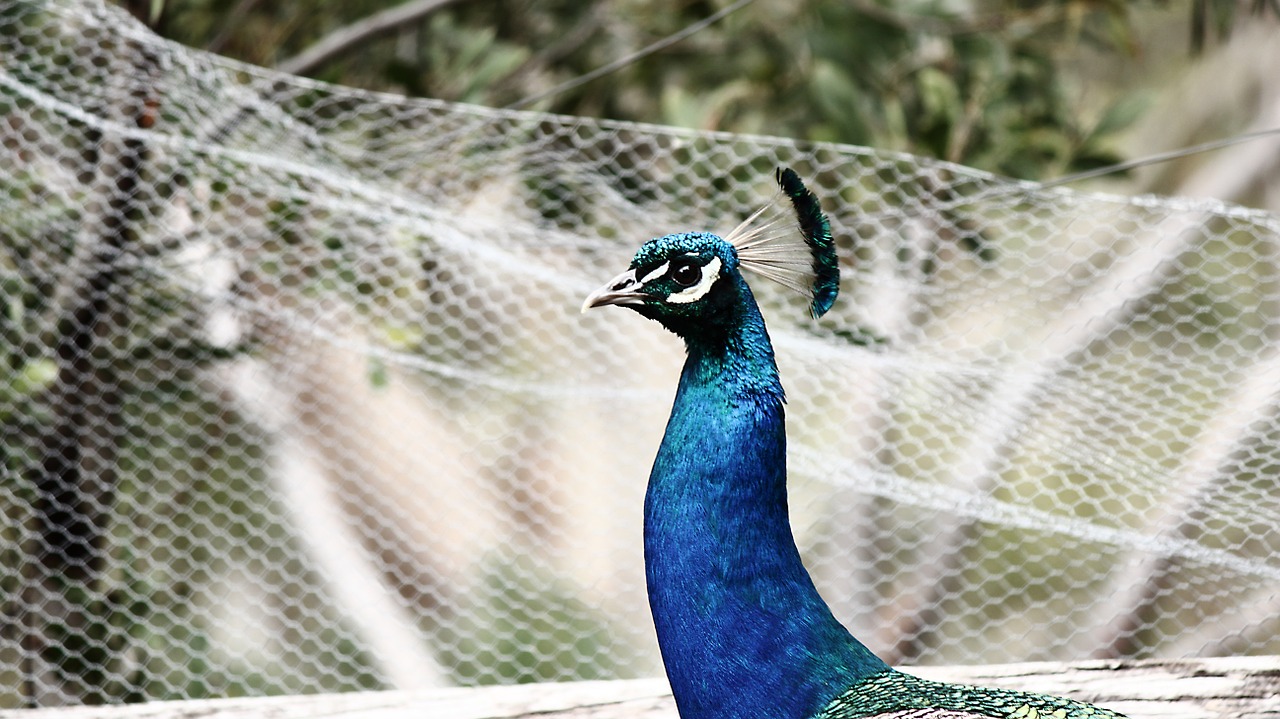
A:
(621, 290)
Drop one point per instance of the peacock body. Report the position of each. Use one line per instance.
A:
(741, 627)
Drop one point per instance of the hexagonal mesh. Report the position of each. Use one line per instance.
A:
(298, 397)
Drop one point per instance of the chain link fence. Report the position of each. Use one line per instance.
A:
(296, 396)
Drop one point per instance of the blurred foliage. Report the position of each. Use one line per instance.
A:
(502, 639)
(26, 295)
(1213, 20)
(985, 83)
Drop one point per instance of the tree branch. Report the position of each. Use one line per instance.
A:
(230, 25)
(347, 37)
(636, 56)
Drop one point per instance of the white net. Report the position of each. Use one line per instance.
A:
(297, 397)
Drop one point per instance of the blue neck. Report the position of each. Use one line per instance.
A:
(742, 629)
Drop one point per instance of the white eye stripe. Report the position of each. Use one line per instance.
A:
(710, 273)
(662, 270)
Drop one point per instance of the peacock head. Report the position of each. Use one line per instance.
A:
(691, 280)
(677, 280)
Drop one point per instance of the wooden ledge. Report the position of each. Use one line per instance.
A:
(1218, 688)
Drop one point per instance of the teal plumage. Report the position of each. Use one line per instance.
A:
(741, 627)
(893, 691)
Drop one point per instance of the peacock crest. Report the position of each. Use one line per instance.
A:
(768, 245)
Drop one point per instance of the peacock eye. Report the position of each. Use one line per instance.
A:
(686, 274)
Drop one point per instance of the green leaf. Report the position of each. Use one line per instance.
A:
(403, 337)
(939, 96)
(1121, 114)
(35, 376)
(378, 375)
(840, 101)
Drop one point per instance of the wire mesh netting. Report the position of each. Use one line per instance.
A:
(297, 396)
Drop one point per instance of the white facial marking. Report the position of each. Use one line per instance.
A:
(662, 270)
(710, 273)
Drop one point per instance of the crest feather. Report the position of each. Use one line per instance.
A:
(769, 246)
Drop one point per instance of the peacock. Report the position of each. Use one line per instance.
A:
(741, 628)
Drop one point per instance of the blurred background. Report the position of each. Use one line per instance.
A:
(1030, 89)
(296, 396)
